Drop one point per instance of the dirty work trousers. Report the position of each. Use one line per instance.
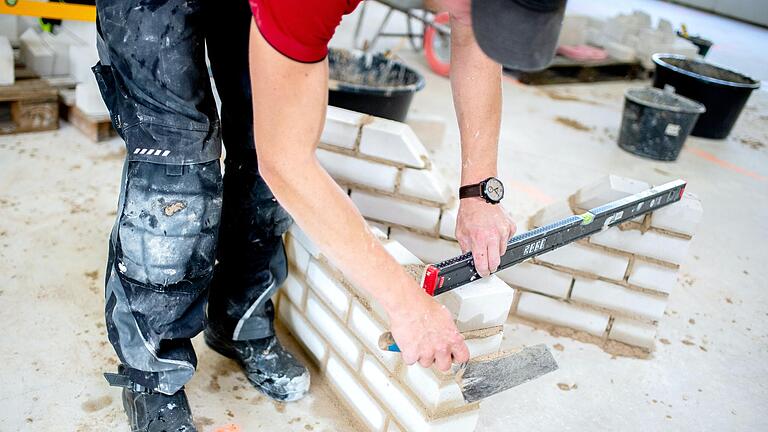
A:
(185, 236)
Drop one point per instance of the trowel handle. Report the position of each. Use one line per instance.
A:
(387, 342)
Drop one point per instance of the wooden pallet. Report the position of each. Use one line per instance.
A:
(29, 105)
(96, 128)
(566, 71)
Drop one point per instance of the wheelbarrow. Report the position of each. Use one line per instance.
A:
(434, 38)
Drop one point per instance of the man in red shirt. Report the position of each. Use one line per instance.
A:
(175, 208)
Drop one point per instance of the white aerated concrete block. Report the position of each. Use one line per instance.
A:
(292, 318)
(425, 184)
(348, 169)
(7, 75)
(393, 141)
(81, 59)
(329, 289)
(9, 28)
(393, 210)
(393, 427)
(355, 394)
(653, 277)
(434, 392)
(341, 127)
(633, 332)
(480, 304)
(448, 223)
(298, 256)
(607, 189)
(539, 308)
(88, 99)
(304, 240)
(650, 244)
(333, 330)
(618, 298)
(402, 255)
(368, 329)
(427, 249)
(482, 346)
(682, 217)
(586, 259)
(36, 54)
(551, 213)
(537, 278)
(295, 290)
(619, 51)
(59, 44)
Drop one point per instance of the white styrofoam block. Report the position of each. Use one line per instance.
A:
(633, 332)
(618, 298)
(393, 141)
(483, 346)
(81, 59)
(433, 391)
(652, 276)
(607, 189)
(586, 259)
(292, 318)
(650, 244)
(393, 210)
(537, 278)
(448, 223)
(297, 254)
(304, 240)
(88, 99)
(540, 308)
(333, 330)
(295, 290)
(348, 169)
(368, 329)
(355, 394)
(551, 213)
(682, 217)
(427, 249)
(341, 127)
(7, 74)
(404, 409)
(399, 252)
(35, 54)
(425, 184)
(329, 289)
(9, 28)
(479, 304)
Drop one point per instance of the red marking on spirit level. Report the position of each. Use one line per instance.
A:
(430, 279)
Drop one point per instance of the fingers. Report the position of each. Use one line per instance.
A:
(480, 255)
(443, 357)
(460, 352)
(426, 358)
(494, 258)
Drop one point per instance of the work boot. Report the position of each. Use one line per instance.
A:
(267, 365)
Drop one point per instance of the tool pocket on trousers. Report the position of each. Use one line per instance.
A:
(105, 78)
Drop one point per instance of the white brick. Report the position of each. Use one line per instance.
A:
(607, 189)
(403, 408)
(402, 255)
(9, 28)
(682, 217)
(7, 74)
(333, 330)
(354, 394)
(329, 289)
(539, 308)
(586, 259)
(341, 127)
(651, 244)
(297, 254)
(388, 209)
(295, 290)
(393, 141)
(653, 277)
(551, 213)
(480, 304)
(425, 184)
(633, 332)
(427, 249)
(380, 230)
(618, 298)
(302, 238)
(348, 169)
(305, 334)
(368, 330)
(59, 44)
(433, 391)
(538, 278)
(81, 59)
(36, 55)
(88, 99)
(393, 427)
(483, 346)
(448, 223)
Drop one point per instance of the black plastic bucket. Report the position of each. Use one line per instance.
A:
(656, 123)
(371, 84)
(723, 92)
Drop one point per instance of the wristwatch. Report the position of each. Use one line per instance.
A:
(490, 189)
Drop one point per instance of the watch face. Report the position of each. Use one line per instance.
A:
(494, 190)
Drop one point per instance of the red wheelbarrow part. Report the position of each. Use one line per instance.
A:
(438, 56)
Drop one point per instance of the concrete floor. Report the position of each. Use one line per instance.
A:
(57, 202)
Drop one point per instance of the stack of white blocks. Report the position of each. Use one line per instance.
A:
(615, 285)
(7, 75)
(339, 325)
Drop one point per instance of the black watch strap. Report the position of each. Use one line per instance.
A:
(471, 191)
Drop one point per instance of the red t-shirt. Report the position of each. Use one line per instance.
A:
(300, 29)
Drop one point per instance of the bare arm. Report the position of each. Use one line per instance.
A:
(289, 114)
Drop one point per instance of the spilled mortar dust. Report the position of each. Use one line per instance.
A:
(573, 124)
(416, 271)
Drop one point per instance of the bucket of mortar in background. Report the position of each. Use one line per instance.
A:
(371, 84)
(723, 92)
(656, 123)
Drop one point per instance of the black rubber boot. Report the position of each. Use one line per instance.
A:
(267, 365)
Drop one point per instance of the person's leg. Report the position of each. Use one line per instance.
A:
(251, 258)
(154, 81)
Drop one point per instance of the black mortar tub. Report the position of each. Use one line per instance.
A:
(723, 92)
(371, 84)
